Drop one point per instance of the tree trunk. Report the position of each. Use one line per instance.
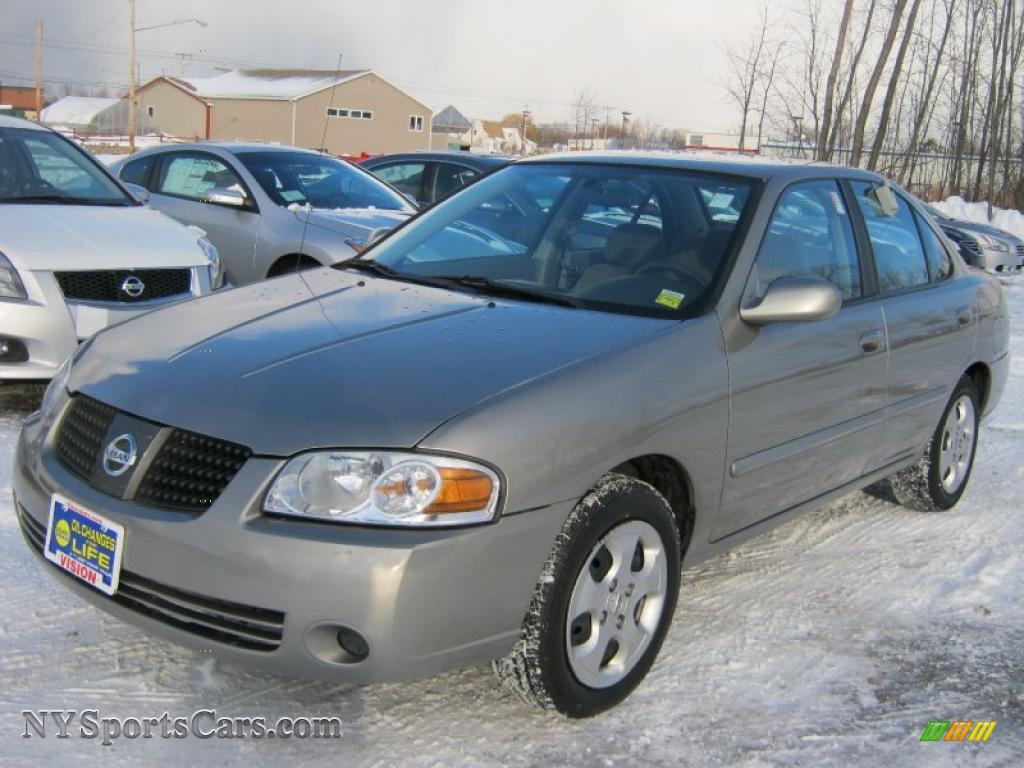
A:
(876, 75)
(822, 153)
(890, 91)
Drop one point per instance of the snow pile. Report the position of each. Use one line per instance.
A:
(1007, 220)
(76, 110)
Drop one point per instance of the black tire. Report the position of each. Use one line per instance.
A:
(920, 485)
(538, 668)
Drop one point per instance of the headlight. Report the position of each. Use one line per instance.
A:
(381, 488)
(990, 243)
(216, 267)
(11, 286)
(58, 385)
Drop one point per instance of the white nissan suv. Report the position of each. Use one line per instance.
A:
(79, 253)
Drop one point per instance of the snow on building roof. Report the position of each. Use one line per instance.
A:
(267, 83)
(76, 110)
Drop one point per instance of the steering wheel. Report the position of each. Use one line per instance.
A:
(687, 274)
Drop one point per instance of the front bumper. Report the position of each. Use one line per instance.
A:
(1004, 263)
(51, 327)
(424, 601)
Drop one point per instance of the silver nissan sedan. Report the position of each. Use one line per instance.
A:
(501, 432)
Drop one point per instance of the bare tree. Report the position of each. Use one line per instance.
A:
(890, 91)
(859, 128)
(847, 98)
(746, 70)
(821, 151)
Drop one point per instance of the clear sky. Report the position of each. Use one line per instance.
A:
(662, 60)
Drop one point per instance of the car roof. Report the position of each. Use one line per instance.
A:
(6, 121)
(468, 158)
(234, 147)
(696, 160)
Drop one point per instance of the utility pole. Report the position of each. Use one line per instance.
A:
(39, 69)
(525, 115)
(131, 77)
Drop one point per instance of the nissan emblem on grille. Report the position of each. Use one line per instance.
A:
(120, 454)
(133, 287)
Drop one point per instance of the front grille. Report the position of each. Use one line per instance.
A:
(191, 471)
(242, 626)
(188, 473)
(80, 437)
(1020, 252)
(116, 284)
(971, 247)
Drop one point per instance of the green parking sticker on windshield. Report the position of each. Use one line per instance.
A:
(670, 299)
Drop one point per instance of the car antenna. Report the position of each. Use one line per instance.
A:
(323, 143)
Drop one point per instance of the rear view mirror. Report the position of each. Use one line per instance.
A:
(139, 193)
(221, 196)
(794, 300)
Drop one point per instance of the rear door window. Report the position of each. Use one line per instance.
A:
(450, 177)
(895, 242)
(940, 266)
(137, 171)
(408, 178)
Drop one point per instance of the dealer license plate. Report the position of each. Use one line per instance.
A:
(84, 544)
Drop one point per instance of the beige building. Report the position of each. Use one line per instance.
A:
(349, 112)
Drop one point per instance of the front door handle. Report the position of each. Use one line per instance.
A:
(963, 316)
(871, 342)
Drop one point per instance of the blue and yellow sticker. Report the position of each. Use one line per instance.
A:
(84, 544)
(670, 299)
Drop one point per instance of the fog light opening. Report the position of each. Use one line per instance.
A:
(353, 644)
(12, 350)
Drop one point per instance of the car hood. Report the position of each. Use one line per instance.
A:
(70, 237)
(333, 359)
(986, 229)
(360, 223)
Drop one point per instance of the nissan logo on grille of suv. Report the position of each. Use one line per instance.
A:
(132, 286)
(120, 454)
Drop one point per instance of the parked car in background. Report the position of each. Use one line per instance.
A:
(79, 253)
(268, 209)
(428, 177)
(983, 245)
(453, 449)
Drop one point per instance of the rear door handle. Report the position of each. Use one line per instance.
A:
(871, 342)
(964, 316)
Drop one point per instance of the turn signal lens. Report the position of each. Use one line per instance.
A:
(462, 490)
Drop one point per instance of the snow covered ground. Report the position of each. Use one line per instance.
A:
(831, 641)
(1007, 220)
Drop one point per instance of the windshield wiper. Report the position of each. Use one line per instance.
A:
(491, 287)
(60, 199)
(367, 265)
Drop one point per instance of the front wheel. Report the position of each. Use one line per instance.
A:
(603, 603)
(938, 480)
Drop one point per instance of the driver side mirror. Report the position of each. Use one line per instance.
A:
(794, 300)
(139, 193)
(229, 197)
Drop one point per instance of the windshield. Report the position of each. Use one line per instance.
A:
(323, 182)
(43, 167)
(608, 237)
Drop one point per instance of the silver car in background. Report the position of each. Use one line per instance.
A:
(79, 253)
(268, 209)
(467, 446)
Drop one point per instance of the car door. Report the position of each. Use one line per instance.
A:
(807, 399)
(177, 188)
(411, 178)
(929, 315)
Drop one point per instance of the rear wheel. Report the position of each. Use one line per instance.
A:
(603, 603)
(938, 480)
